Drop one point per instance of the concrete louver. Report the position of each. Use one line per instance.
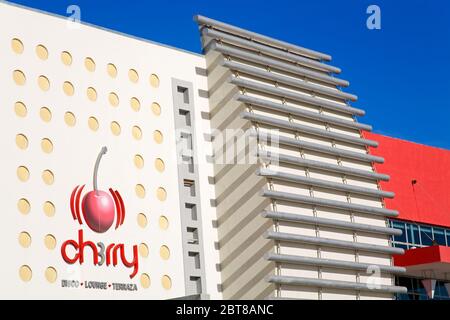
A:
(235, 40)
(325, 166)
(320, 262)
(284, 124)
(332, 243)
(276, 175)
(334, 284)
(269, 105)
(338, 224)
(292, 197)
(271, 138)
(283, 93)
(291, 88)
(276, 64)
(253, 36)
(293, 82)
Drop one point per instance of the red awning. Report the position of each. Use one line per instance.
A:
(428, 262)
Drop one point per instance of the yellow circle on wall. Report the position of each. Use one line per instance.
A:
(154, 80)
(43, 83)
(145, 280)
(21, 141)
(138, 161)
(89, 64)
(163, 223)
(68, 88)
(66, 58)
(23, 174)
(135, 104)
(136, 132)
(69, 119)
(93, 123)
(164, 252)
(17, 46)
(51, 275)
(156, 109)
(45, 114)
(24, 206)
(91, 94)
(50, 241)
(166, 282)
(157, 136)
(143, 250)
(115, 128)
(142, 220)
(49, 209)
(41, 52)
(24, 239)
(19, 77)
(161, 194)
(133, 76)
(140, 191)
(20, 109)
(159, 164)
(25, 273)
(48, 177)
(113, 99)
(47, 145)
(112, 70)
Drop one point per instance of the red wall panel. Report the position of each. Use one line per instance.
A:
(426, 201)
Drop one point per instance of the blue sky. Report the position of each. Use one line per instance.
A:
(401, 73)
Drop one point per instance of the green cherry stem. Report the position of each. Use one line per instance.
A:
(97, 163)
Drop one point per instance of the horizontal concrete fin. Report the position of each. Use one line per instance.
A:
(277, 64)
(329, 203)
(264, 88)
(335, 284)
(289, 237)
(284, 124)
(282, 158)
(339, 224)
(318, 147)
(285, 55)
(204, 21)
(324, 183)
(297, 83)
(302, 113)
(339, 264)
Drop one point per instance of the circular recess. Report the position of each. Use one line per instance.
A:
(66, 58)
(17, 46)
(25, 273)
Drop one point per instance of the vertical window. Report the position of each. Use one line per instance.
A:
(426, 236)
(439, 236)
(413, 234)
(400, 226)
(190, 186)
(185, 94)
(186, 117)
(191, 211)
(196, 283)
(192, 235)
(187, 140)
(189, 161)
(195, 259)
(447, 232)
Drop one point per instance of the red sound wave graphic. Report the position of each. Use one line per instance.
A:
(77, 209)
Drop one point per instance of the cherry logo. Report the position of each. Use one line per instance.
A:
(98, 207)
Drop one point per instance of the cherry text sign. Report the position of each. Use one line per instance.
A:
(98, 209)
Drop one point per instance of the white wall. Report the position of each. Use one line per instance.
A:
(76, 148)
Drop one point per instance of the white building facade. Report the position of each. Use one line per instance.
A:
(118, 180)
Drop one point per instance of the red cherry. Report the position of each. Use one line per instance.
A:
(98, 206)
(98, 210)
